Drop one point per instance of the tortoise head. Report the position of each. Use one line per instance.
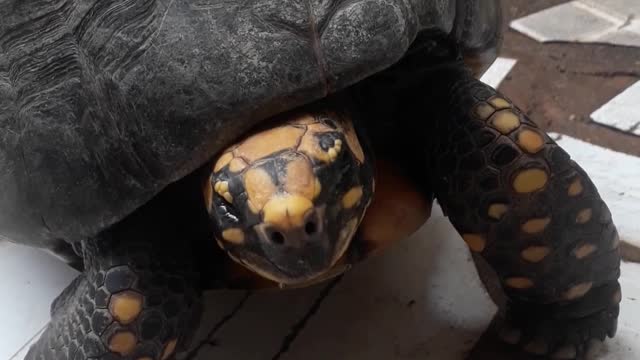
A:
(287, 200)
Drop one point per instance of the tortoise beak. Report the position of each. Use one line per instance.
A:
(299, 252)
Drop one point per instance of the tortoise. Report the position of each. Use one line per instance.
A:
(165, 148)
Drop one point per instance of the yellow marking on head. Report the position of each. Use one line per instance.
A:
(578, 291)
(530, 180)
(353, 143)
(535, 254)
(505, 121)
(535, 226)
(497, 211)
(500, 103)
(584, 216)
(519, 283)
(537, 346)
(125, 306)
(344, 238)
(617, 297)
(575, 188)
(237, 164)
(222, 188)
(223, 161)
(123, 342)
(352, 197)
(566, 352)
(310, 144)
(286, 211)
(476, 242)
(234, 236)
(300, 179)
(484, 111)
(267, 142)
(335, 150)
(259, 187)
(169, 349)
(303, 119)
(585, 250)
(530, 141)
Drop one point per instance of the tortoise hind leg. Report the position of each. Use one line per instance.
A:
(139, 297)
(527, 209)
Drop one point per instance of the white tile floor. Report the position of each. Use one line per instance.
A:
(31, 279)
(421, 300)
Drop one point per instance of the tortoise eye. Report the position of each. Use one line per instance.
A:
(327, 141)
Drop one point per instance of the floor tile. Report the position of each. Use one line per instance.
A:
(622, 112)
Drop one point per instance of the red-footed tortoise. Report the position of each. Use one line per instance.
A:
(119, 119)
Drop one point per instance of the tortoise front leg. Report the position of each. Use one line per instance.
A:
(138, 298)
(527, 209)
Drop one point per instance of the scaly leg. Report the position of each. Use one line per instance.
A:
(521, 204)
(138, 298)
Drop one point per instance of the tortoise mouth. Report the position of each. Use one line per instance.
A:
(298, 271)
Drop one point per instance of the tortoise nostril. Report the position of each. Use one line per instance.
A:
(277, 237)
(310, 228)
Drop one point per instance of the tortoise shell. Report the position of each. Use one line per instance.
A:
(103, 106)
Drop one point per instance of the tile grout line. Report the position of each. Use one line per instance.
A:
(208, 339)
(300, 325)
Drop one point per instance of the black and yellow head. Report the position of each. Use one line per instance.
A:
(286, 201)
